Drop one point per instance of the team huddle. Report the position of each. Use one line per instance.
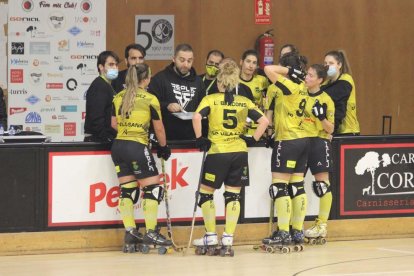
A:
(296, 109)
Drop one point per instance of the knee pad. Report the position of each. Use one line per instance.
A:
(277, 190)
(321, 188)
(296, 189)
(203, 198)
(127, 192)
(229, 197)
(154, 192)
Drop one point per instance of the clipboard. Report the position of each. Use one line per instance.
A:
(184, 115)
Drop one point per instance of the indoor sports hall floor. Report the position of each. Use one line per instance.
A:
(339, 258)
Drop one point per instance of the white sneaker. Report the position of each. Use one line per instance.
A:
(227, 239)
(209, 238)
(319, 229)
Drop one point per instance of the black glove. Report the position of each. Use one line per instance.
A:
(319, 110)
(250, 141)
(270, 141)
(203, 143)
(164, 152)
(296, 75)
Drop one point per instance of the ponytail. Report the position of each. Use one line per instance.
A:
(135, 75)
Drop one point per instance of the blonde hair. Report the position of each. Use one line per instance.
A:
(228, 75)
(135, 75)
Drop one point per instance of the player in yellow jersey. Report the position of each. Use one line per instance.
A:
(341, 87)
(226, 161)
(290, 152)
(257, 83)
(319, 121)
(133, 111)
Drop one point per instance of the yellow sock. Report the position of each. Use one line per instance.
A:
(150, 208)
(325, 204)
(283, 207)
(299, 204)
(126, 207)
(294, 179)
(232, 214)
(209, 213)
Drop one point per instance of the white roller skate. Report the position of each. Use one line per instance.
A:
(226, 245)
(317, 233)
(207, 244)
(132, 241)
(154, 240)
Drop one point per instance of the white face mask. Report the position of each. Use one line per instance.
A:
(332, 71)
(112, 74)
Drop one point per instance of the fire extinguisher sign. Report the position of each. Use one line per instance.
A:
(262, 12)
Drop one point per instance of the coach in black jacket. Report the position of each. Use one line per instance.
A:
(178, 88)
(99, 100)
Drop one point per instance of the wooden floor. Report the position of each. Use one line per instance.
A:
(363, 257)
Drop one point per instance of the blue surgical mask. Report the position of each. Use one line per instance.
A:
(332, 71)
(111, 74)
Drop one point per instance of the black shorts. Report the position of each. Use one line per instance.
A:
(133, 158)
(231, 168)
(290, 156)
(319, 159)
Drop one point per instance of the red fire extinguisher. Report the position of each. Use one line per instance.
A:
(265, 47)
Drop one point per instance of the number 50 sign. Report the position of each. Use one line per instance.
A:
(156, 34)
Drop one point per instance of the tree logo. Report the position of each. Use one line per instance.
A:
(370, 162)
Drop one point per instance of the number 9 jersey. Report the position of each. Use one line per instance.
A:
(227, 121)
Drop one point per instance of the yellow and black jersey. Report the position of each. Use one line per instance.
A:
(273, 102)
(135, 126)
(226, 122)
(258, 85)
(350, 123)
(289, 113)
(342, 92)
(311, 123)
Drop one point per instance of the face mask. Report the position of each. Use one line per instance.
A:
(111, 74)
(332, 71)
(211, 70)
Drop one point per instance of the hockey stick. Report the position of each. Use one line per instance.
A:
(167, 209)
(197, 194)
(271, 217)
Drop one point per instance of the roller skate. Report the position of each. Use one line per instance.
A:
(206, 245)
(279, 241)
(132, 241)
(226, 245)
(317, 233)
(297, 240)
(153, 239)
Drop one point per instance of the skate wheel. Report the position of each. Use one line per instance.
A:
(270, 249)
(298, 248)
(222, 252)
(162, 250)
(211, 251)
(256, 247)
(145, 249)
(312, 241)
(170, 250)
(231, 253)
(323, 241)
(198, 251)
(129, 248)
(285, 250)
